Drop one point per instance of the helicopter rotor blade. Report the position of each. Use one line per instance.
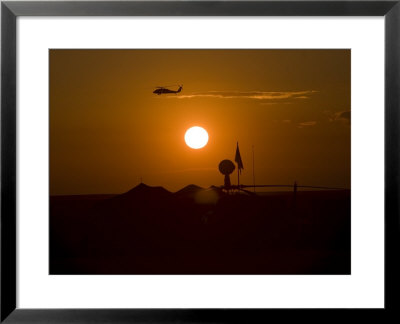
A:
(170, 85)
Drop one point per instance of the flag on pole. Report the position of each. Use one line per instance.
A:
(238, 159)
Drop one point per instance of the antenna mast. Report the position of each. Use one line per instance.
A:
(254, 177)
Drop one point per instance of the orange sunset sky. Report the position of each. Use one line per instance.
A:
(108, 130)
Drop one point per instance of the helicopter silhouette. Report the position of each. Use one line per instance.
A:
(164, 90)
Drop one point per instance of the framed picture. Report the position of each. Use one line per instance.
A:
(186, 141)
(198, 161)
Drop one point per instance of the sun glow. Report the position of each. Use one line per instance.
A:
(196, 137)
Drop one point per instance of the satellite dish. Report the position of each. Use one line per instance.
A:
(226, 167)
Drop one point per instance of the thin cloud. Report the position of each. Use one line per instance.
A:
(255, 95)
(280, 102)
(341, 116)
(307, 124)
(346, 115)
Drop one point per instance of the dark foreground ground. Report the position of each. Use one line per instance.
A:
(149, 230)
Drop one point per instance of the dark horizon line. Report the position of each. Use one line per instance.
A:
(321, 188)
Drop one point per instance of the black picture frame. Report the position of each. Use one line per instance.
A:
(11, 10)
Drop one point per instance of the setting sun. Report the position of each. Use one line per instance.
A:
(196, 137)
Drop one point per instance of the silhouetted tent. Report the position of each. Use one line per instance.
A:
(188, 190)
(217, 189)
(199, 195)
(141, 195)
(144, 191)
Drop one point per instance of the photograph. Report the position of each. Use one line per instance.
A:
(200, 161)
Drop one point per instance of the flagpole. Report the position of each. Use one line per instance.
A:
(238, 178)
(239, 162)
